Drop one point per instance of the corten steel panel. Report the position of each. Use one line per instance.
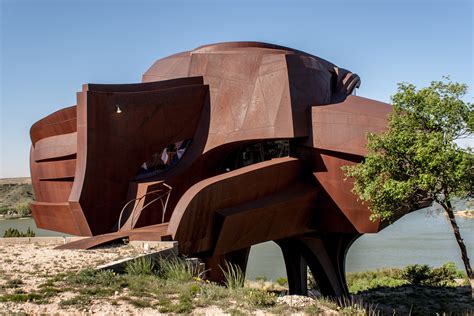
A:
(121, 142)
(343, 127)
(54, 147)
(55, 216)
(223, 97)
(53, 156)
(60, 122)
(59, 169)
(149, 233)
(194, 215)
(279, 215)
(56, 191)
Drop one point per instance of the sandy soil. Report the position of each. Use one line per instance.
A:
(34, 264)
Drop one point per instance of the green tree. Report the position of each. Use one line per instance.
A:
(417, 159)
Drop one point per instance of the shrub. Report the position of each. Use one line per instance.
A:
(21, 297)
(282, 281)
(140, 303)
(183, 305)
(175, 268)
(140, 266)
(23, 209)
(89, 276)
(445, 275)
(13, 232)
(424, 275)
(259, 298)
(363, 284)
(418, 274)
(212, 293)
(4, 210)
(234, 276)
(77, 301)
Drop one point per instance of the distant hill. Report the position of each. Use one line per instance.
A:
(15, 194)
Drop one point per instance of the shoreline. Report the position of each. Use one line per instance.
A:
(465, 214)
(7, 217)
(36, 278)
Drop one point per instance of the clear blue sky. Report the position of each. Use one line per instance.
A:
(50, 48)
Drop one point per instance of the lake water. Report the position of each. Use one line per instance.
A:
(22, 225)
(422, 237)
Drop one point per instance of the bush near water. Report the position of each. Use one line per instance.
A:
(15, 196)
(13, 232)
(418, 275)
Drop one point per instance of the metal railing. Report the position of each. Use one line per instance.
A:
(161, 194)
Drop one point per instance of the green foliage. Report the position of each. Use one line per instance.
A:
(77, 301)
(21, 297)
(414, 274)
(141, 284)
(141, 303)
(212, 293)
(363, 281)
(140, 266)
(15, 196)
(260, 298)
(13, 284)
(23, 209)
(4, 209)
(425, 275)
(175, 268)
(356, 306)
(328, 302)
(234, 276)
(184, 304)
(90, 282)
(446, 275)
(261, 278)
(13, 232)
(417, 274)
(282, 281)
(417, 159)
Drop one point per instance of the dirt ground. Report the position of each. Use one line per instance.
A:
(34, 264)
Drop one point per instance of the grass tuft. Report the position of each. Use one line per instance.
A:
(178, 269)
(140, 266)
(234, 276)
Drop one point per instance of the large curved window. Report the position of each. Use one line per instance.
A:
(163, 160)
(251, 154)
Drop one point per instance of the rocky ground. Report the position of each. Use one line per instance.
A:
(35, 264)
(37, 279)
(30, 274)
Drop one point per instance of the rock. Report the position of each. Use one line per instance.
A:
(295, 300)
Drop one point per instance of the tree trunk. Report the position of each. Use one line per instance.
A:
(449, 210)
